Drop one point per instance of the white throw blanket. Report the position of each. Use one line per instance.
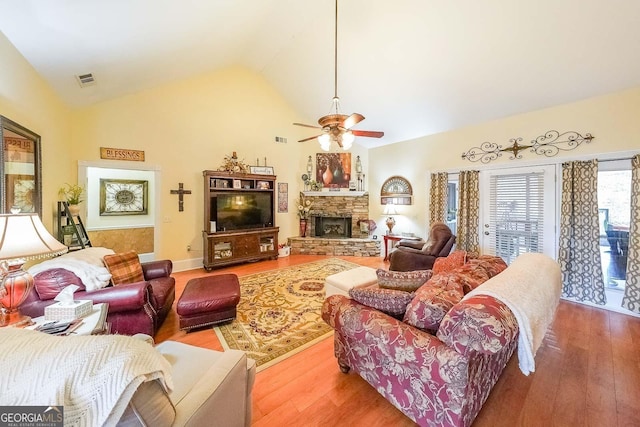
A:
(531, 288)
(94, 377)
(87, 264)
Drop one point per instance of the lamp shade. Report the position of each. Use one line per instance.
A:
(390, 209)
(24, 236)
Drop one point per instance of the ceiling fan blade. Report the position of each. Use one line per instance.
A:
(352, 120)
(307, 126)
(368, 133)
(309, 139)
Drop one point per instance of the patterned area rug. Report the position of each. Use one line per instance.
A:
(279, 311)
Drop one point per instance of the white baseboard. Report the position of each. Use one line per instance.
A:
(187, 264)
(148, 257)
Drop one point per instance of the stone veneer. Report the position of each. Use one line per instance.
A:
(337, 247)
(343, 204)
(355, 206)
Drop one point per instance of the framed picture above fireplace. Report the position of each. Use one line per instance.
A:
(333, 170)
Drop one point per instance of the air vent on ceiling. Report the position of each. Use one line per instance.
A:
(86, 80)
(281, 139)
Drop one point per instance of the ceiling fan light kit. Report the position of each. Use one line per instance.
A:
(335, 126)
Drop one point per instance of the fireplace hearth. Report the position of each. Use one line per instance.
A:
(332, 227)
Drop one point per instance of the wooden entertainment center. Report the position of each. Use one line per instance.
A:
(239, 218)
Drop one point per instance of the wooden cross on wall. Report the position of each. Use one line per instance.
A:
(180, 192)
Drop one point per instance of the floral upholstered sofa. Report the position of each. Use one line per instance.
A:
(433, 355)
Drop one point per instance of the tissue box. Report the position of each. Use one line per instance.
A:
(57, 311)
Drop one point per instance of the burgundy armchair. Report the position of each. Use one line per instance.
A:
(139, 307)
(411, 255)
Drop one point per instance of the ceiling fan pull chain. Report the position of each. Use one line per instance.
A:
(335, 59)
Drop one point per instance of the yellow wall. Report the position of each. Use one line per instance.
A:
(29, 101)
(612, 119)
(184, 128)
(189, 126)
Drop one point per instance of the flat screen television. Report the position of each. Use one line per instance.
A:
(241, 210)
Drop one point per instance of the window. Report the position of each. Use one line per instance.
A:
(452, 203)
(519, 212)
(614, 207)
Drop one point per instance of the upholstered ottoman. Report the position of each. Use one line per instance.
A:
(358, 277)
(208, 300)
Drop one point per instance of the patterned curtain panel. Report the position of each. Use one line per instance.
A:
(439, 194)
(579, 255)
(468, 211)
(631, 299)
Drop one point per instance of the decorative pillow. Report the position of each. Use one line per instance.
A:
(448, 263)
(492, 264)
(124, 267)
(430, 304)
(448, 280)
(480, 324)
(50, 282)
(388, 301)
(471, 275)
(407, 281)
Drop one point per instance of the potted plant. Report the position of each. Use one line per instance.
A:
(72, 193)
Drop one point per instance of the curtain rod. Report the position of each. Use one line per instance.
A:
(615, 160)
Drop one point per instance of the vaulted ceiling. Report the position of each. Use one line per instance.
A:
(411, 67)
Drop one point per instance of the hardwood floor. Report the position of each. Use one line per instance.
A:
(587, 373)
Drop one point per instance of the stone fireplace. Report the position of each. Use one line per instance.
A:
(340, 204)
(331, 227)
(334, 228)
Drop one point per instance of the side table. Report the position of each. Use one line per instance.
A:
(94, 323)
(389, 238)
(394, 238)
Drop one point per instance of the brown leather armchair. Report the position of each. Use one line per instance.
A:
(134, 308)
(411, 255)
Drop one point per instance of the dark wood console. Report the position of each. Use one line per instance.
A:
(239, 218)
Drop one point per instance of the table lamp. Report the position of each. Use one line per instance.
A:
(22, 237)
(390, 209)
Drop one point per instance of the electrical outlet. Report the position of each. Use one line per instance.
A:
(167, 218)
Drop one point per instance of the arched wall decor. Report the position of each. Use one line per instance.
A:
(396, 190)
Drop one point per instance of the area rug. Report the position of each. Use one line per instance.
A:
(279, 311)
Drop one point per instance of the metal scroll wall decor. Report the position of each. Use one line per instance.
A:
(549, 145)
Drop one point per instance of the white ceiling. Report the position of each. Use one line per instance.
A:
(411, 67)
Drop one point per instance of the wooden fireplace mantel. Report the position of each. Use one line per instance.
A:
(334, 193)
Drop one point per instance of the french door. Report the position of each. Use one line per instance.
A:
(518, 211)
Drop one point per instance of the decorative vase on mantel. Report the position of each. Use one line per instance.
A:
(303, 227)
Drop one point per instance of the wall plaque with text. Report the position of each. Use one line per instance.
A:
(121, 154)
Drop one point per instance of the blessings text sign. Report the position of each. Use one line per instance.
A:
(121, 154)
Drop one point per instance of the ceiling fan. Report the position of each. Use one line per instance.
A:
(335, 125)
